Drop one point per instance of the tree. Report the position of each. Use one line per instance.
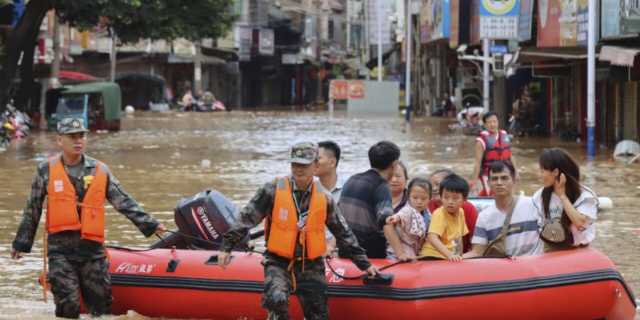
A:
(131, 20)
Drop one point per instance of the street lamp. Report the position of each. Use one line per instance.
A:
(507, 62)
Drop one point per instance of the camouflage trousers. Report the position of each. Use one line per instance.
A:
(311, 289)
(74, 277)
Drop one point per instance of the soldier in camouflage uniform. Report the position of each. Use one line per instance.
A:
(308, 282)
(77, 266)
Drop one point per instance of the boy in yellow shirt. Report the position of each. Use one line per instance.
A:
(447, 223)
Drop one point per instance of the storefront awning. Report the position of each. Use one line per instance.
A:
(178, 59)
(544, 54)
(336, 5)
(619, 56)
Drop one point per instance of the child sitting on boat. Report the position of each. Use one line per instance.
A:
(447, 227)
(412, 221)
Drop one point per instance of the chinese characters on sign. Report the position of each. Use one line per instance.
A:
(345, 90)
(339, 89)
(382, 9)
(266, 42)
(525, 20)
(499, 19)
(356, 89)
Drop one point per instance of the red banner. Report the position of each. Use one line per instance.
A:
(356, 89)
(339, 89)
(557, 23)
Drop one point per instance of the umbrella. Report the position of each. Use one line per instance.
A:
(76, 76)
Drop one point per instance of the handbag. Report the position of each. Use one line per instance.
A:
(554, 233)
(497, 247)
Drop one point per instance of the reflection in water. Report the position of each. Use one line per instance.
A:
(159, 159)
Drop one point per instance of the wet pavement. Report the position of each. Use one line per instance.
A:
(162, 157)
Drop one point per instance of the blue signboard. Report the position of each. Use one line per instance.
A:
(498, 48)
(620, 18)
(435, 20)
(525, 20)
(446, 18)
(610, 25)
(18, 11)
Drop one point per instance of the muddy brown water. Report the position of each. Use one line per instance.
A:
(163, 157)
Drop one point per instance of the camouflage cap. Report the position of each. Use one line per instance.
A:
(304, 152)
(71, 125)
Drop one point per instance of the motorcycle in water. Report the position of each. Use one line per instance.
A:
(469, 120)
(6, 131)
(15, 125)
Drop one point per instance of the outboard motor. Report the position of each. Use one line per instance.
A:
(204, 217)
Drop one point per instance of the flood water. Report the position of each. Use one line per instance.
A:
(162, 157)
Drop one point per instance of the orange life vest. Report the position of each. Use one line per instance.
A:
(283, 224)
(496, 149)
(62, 207)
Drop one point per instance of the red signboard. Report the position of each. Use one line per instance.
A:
(454, 34)
(474, 35)
(356, 89)
(557, 23)
(339, 89)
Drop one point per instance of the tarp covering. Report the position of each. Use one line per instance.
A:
(110, 93)
(77, 76)
(619, 56)
(626, 148)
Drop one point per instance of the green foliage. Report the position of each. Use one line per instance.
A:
(133, 20)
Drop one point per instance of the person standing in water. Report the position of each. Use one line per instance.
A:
(76, 187)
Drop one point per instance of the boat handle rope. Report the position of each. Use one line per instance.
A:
(364, 274)
(252, 236)
(385, 267)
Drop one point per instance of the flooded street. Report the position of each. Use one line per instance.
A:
(161, 158)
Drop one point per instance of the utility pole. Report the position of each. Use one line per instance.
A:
(407, 86)
(319, 52)
(486, 76)
(348, 26)
(591, 81)
(55, 64)
(367, 43)
(54, 81)
(112, 56)
(379, 22)
(197, 68)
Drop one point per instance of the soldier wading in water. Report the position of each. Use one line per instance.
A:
(296, 209)
(76, 187)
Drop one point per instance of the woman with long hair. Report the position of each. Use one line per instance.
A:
(566, 201)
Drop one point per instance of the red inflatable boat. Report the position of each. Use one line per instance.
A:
(575, 284)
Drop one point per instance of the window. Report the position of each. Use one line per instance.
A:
(331, 29)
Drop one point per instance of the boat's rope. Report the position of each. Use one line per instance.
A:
(360, 276)
(136, 250)
(249, 248)
(385, 267)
